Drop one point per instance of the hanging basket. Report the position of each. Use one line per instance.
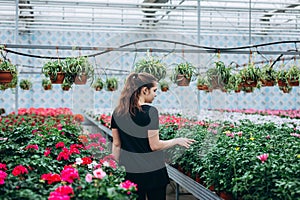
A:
(80, 80)
(250, 83)
(202, 87)
(5, 77)
(98, 88)
(293, 82)
(59, 78)
(47, 87)
(164, 89)
(268, 83)
(281, 83)
(181, 80)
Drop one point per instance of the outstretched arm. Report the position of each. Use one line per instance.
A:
(157, 144)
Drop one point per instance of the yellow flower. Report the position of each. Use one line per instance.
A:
(298, 156)
(252, 138)
(226, 132)
(237, 148)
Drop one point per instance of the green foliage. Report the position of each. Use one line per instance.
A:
(187, 69)
(268, 73)
(111, 83)
(219, 75)
(98, 84)
(151, 65)
(51, 68)
(293, 73)
(25, 84)
(250, 73)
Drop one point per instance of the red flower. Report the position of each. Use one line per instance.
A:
(47, 151)
(20, 169)
(32, 146)
(128, 185)
(3, 166)
(65, 190)
(51, 178)
(60, 145)
(64, 154)
(86, 161)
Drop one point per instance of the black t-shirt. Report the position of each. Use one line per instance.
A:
(143, 166)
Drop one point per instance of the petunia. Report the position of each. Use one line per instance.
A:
(89, 178)
(99, 173)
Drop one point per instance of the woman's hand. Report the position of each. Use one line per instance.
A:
(185, 142)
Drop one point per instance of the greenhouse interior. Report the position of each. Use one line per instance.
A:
(224, 78)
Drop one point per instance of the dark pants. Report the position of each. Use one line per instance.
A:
(155, 194)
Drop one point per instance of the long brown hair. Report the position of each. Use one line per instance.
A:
(129, 98)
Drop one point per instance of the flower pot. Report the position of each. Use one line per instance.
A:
(98, 88)
(281, 83)
(293, 82)
(59, 78)
(268, 83)
(250, 83)
(47, 87)
(80, 80)
(225, 195)
(5, 77)
(181, 80)
(66, 88)
(202, 87)
(164, 89)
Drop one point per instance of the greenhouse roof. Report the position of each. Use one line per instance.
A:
(205, 17)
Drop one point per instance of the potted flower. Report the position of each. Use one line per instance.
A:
(66, 86)
(183, 73)
(98, 84)
(152, 66)
(8, 71)
(55, 70)
(111, 84)
(293, 75)
(202, 83)
(25, 84)
(46, 83)
(250, 75)
(268, 76)
(164, 85)
(79, 70)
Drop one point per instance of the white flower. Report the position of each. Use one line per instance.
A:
(78, 161)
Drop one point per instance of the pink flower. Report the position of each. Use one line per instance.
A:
(69, 174)
(263, 157)
(268, 137)
(20, 169)
(32, 146)
(3, 176)
(128, 185)
(89, 178)
(99, 173)
(65, 190)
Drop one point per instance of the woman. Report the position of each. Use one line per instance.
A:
(136, 143)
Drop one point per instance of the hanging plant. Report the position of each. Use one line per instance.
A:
(202, 83)
(152, 66)
(8, 71)
(293, 76)
(282, 78)
(66, 86)
(55, 70)
(98, 84)
(164, 85)
(183, 73)
(25, 84)
(268, 76)
(111, 84)
(250, 75)
(218, 76)
(46, 83)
